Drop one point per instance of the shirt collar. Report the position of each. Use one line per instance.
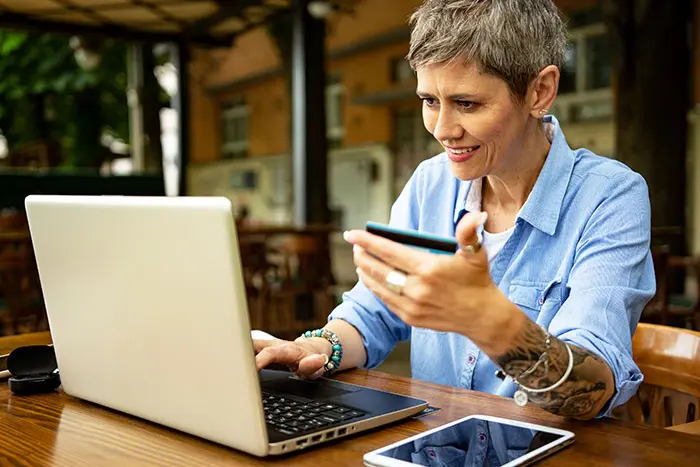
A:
(543, 207)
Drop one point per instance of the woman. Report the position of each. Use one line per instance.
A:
(544, 295)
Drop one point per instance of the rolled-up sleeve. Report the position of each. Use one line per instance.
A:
(610, 283)
(378, 326)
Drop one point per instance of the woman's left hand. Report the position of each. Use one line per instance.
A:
(442, 292)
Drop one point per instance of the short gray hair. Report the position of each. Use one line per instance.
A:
(510, 39)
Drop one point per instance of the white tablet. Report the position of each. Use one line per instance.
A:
(475, 440)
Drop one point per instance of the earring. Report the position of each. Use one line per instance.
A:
(543, 111)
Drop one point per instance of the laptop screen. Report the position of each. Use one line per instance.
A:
(473, 442)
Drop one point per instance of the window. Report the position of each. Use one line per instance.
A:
(234, 120)
(587, 62)
(567, 81)
(598, 62)
(334, 112)
(584, 87)
(244, 180)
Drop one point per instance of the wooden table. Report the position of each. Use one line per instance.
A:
(7, 344)
(56, 429)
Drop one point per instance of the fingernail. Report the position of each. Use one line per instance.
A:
(357, 248)
(483, 218)
(348, 236)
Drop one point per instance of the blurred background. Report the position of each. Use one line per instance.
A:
(303, 113)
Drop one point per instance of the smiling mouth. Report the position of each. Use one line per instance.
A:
(463, 150)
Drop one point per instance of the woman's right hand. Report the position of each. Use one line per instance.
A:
(305, 356)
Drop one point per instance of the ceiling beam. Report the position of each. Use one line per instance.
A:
(21, 21)
(227, 9)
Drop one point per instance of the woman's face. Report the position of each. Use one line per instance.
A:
(474, 116)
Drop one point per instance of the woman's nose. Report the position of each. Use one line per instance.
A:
(447, 128)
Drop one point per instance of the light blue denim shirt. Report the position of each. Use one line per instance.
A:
(578, 263)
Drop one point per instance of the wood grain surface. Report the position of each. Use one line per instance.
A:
(59, 430)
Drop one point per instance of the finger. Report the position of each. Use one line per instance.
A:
(467, 231)
(405, 307)
(396, 303)
(286, 354)
(311, 365)
(394, 254)
(370, 265)
(318, 374)
(259, 344)
(378, 271)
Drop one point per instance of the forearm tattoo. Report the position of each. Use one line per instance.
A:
(582, 390)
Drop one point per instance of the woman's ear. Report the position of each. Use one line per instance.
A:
(543, 91)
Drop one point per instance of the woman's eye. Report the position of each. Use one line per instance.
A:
(467, 105)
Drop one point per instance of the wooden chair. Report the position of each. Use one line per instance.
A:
(12, 222)
(20, 286)
(260, 275)
(304, 297)
(289, 278)
(692, 428)
(669, 358)
(36, 155)
(307, 261)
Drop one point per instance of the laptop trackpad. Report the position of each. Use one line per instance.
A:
(283, 382)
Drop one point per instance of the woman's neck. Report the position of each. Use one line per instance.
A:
(504, 193)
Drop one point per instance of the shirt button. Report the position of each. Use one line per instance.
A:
(471, 359)
(482, 437)
(541, 301)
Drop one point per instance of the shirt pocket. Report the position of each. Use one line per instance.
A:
(535, 298)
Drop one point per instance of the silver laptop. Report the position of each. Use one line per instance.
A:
(148, 315)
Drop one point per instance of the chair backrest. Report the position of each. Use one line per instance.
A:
(20, 287)
(304, 297)
(311, 254)
(669, 358)
(39, 155)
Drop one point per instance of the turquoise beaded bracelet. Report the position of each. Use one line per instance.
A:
(333, 363)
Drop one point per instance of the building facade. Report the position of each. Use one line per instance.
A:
(240, 144)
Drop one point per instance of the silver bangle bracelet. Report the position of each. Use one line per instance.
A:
(544, 357)
(520, 396)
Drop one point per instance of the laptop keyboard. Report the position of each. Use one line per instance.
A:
(295, 416)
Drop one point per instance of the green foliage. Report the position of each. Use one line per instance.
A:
(11, 42)
(43, 92)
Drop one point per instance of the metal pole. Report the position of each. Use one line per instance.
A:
(134, 68)
(181, 103)
(309, 117)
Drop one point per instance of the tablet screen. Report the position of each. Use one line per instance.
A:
(471, 442)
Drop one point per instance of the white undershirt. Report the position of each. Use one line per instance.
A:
(494, 243)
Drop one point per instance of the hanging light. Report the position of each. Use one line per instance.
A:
(320, 9)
